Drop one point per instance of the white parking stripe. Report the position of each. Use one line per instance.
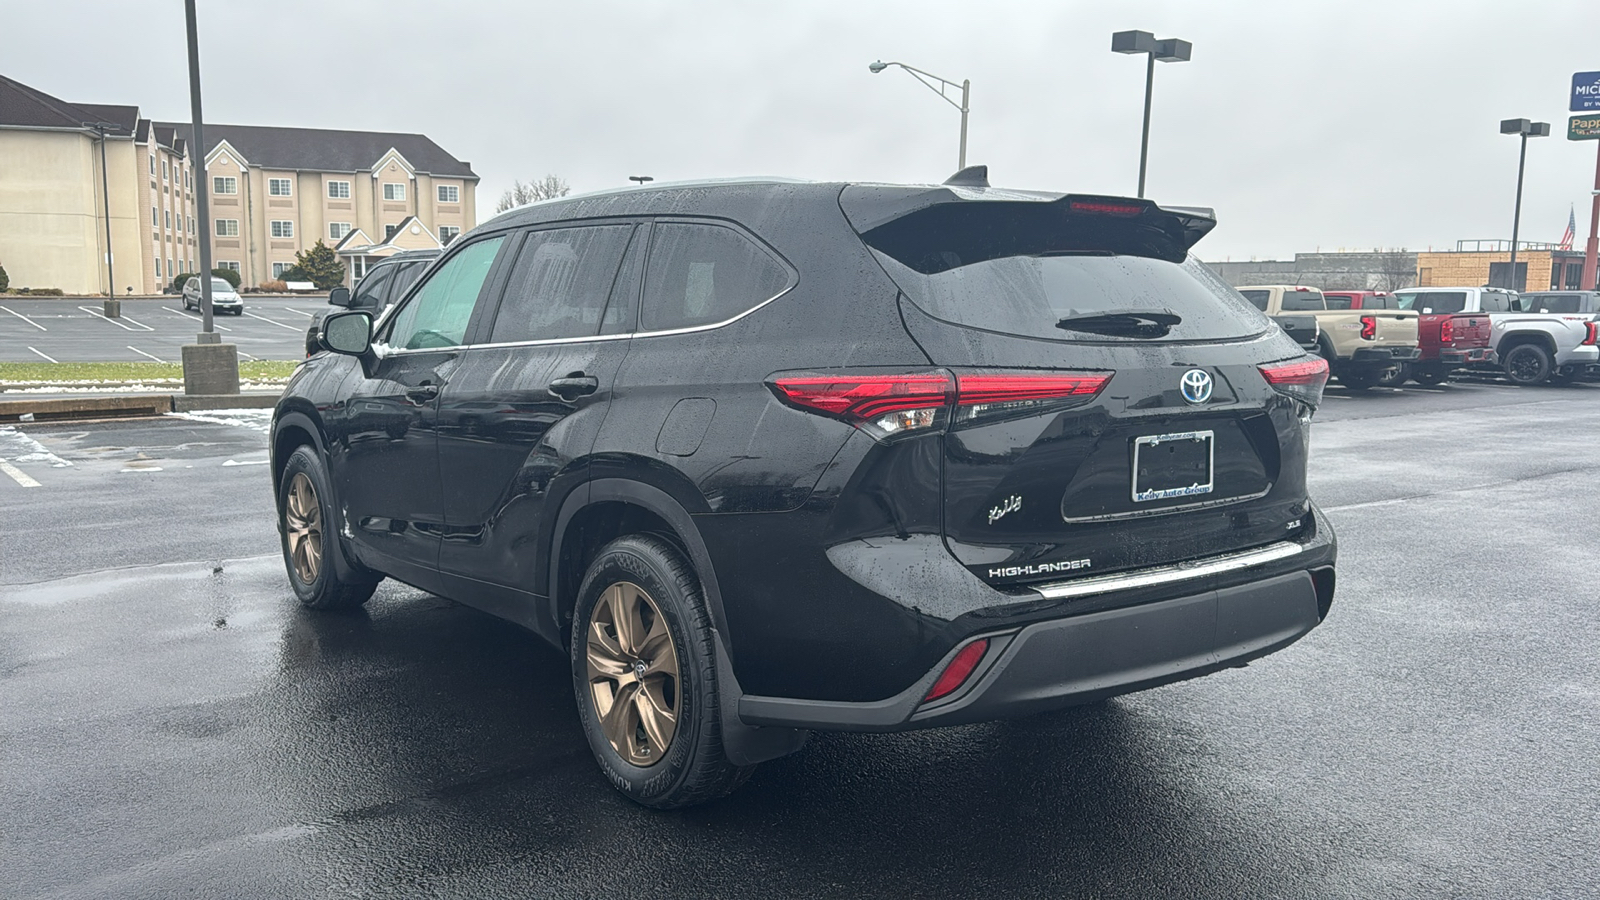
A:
(17, 475)
(301, 313)
(189, 315)
(248, 356)
(36, 350)
(275, 322)
(25, 319)
(117, 322)
(142, 353)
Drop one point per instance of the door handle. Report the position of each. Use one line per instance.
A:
(422, 393)
(574, 386)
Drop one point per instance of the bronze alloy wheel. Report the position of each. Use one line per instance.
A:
(302, 518)
(633, 674)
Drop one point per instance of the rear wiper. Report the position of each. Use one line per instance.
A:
(1137, 323)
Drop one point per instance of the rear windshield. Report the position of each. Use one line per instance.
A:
(1436, 301)
(1340, 301)
(1029, 295)
(1258, 299)
(1301, 301)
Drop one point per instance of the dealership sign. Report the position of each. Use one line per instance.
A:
(1585, 92)
(1583, 128)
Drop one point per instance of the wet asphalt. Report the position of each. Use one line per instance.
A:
(172, 725)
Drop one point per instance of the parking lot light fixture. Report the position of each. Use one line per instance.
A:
(944, 85)
(113, 307)
(1525, 129)
(1163, 50)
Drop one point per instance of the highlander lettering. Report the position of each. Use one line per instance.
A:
(1039, 568)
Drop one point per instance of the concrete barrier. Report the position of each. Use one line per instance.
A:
(67, 409)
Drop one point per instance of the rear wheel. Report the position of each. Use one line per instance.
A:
(1429, 377)
(644, 670)
(310, 540)
(1395, 375)
(1359, 381)
(1528, 364)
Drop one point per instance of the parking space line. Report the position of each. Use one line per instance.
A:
(247, 356)
(17, 475)
(142, 353)
(25, 319)
(46, 358)
(295, 328)
(189, 315)
(117, 322)
(299, 312)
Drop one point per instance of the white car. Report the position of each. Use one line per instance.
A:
(223, 296)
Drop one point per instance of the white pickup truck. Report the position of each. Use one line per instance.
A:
(1363, 347)
(1532, 347)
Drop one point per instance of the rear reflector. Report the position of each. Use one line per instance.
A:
(959, 670)
(1302, 379)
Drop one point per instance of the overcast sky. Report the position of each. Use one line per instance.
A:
(1306, 125)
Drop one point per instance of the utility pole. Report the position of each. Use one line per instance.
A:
(1526, 129)
(113, 306)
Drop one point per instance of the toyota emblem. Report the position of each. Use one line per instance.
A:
(1196, 385)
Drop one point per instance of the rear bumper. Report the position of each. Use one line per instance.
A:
(1083, 658)
(1466, 357)
(1385, 355)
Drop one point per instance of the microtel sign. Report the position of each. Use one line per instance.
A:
(1585, 91)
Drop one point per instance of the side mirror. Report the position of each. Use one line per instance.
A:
(349, 333)
(339, 296)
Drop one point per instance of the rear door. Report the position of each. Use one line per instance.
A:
(1110, 410)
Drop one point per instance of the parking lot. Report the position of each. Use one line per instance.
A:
(76, 330)
(174, 724)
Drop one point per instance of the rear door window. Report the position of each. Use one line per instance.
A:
(370, 292)
(559, 285)
(437, 314)
(701, 274)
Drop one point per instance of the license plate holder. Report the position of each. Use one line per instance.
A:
(1167, 466)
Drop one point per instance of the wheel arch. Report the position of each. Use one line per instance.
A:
(1517, 338)
(290, 429)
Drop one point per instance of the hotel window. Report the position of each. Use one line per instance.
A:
(227, 228)
(155, 218)
(448, 233)
(170, 269)
(158, 268)
(394, 191)
(152, 164)
(389, 230)
(282, 228)
(228, 264)
(166, 171)
(278, 187)
(337, 230)
(338, 190)
(191, 223)
(449, 193)
(224, 184)
(168, 214)
(278, 268)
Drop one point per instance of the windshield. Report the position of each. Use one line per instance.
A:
(1040, 295)
(218, 286)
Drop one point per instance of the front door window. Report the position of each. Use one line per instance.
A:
(438, 312)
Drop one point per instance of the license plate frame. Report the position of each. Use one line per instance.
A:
(1168, 487)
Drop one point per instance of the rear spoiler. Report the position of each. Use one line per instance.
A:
(1167, 232)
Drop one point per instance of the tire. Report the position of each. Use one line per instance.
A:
(671, 760)
(1429, 377)
(1395, 375)
(308, 544)
(1359, 381)
(1528, 364)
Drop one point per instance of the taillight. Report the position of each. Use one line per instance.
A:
(1302, 379)
(1107, 207)
(1447, 331)
(886, 405)
(1593, 337)
(881, 404)
(959, 670)
(1369, 327)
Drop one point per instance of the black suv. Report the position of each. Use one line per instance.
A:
(768, 457)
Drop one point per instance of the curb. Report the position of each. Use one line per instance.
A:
(72, 409)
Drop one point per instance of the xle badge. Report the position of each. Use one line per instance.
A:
(1011, 505)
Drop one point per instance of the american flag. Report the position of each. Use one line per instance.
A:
(1571, 232)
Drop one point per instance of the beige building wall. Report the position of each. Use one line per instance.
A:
(1471, 269)
(233, 249)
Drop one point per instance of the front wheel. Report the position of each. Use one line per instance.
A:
(310, 540)
(1528, 364)
(644, 670)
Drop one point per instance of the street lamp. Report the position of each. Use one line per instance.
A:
(113, 306)
(1165, 50)
(966, 92)
(1527, 130)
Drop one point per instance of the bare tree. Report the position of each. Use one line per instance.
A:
(1396, 269)
(521, 194)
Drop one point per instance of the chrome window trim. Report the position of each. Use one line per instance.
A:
(1184, 571)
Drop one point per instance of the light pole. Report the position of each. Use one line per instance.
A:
(944, 83)
(113, 306)
(209, 366)
(1527, 130)
(1165, 50)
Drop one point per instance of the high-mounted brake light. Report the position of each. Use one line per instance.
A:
(959, 670)
(1369, 327)
(1594, 334)
(1447, 331)
(1302, 379)
(1101, 207)
(890, 404)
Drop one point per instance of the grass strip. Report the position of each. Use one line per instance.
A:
(14, 372)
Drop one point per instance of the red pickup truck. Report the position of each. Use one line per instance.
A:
(1448, 341)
